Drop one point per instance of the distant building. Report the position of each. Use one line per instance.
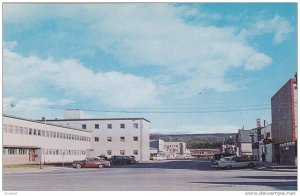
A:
(157, 148)
(284, 122)
(175, 149)
(245, 142)
(168, 150)
(265, 144)
(228, 149)
(204, 153)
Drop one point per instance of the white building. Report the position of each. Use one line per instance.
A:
(27, 141)
(265, 144)
(115, 136)
(175, 150)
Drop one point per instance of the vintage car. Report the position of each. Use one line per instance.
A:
(95, 162)
(233, 162)
(122, 160)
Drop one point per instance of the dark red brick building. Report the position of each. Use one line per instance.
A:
(284, 122)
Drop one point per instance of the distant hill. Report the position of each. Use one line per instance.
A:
(195, 141)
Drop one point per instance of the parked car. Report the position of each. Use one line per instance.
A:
(233, 162)
(158, 158)
(133, 159)
(105, 158)
(121, 160)
(95, 162)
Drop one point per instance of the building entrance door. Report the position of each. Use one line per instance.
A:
(31, 155)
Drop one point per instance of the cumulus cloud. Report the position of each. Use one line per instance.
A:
(192, 56)
(278, 26)
(29, 74)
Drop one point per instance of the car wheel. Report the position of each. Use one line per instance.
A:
(100, 166)
(78, 166)
(228, 167)
(251, 165)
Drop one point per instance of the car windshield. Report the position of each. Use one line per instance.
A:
(225, 159)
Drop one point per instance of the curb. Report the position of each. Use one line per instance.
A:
(275, 169)
(36, 170)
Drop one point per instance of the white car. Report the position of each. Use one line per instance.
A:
(159, 158)
(233, 162)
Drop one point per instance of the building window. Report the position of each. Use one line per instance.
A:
(122, 139)
(21, 130)
(12, 151)
(47, 134)
(22, 151)
(109, 126)
(108, 152)
(34, 131)
(96, 139)
(268, 135)
(9, 129)
(25, 131)
(135, 152)
(122, 152)
(83, 126)
(43, 133)
(122, 126)
(30, 131)
(109, 139)
(135, 125)
(135, 139)
(96, 126)
(39, 132)
(4, 128)
(15, 129)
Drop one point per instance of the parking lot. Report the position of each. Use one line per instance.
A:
(168, 175)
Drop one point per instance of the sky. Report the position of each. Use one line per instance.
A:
(186, 67)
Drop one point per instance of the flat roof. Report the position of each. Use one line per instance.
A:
(93, 119)
(42, 122)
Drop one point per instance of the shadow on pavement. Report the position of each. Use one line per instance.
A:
(290, 185)
(270, 177)
(172, 164)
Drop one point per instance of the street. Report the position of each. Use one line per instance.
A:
(169, 175)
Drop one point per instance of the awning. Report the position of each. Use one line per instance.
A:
(16, 146)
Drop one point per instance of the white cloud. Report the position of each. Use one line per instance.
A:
(278, 26)
(26, 76)
(138, 35)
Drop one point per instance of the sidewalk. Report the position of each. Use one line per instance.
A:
(275, 167)
(32, 170)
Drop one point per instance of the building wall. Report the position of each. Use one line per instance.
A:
(205, 153)
(175, 149)
(135, 128)
(246, 149)
(283, 114)
(17, 138)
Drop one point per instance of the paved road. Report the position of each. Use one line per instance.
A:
(176, 175)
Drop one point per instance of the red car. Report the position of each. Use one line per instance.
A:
(91, 163)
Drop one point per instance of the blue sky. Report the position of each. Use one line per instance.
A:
(149, 60)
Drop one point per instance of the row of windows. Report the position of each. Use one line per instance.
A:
(24, 151)
(43, 133)
(122, 139)
(14, 151)
(122, 152)
(109, 126)
(63, 152)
